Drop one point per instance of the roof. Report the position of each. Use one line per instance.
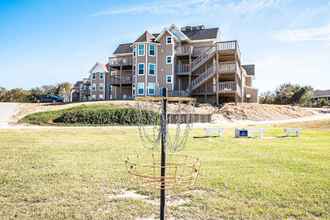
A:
(321, 93)
(175, 32)
(202, 34)
(250, 69)
(191, 34)
(99, 68)
(145, 37)
(124, 48)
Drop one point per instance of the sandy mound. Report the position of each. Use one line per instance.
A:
(261, 112)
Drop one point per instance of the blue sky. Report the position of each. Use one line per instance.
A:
(49, 41)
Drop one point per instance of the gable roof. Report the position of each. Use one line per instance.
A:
(321, 93)
(98, 68)
(250, 69)
(202, 34)
(175, 32)
(145, 37)
(124, 48)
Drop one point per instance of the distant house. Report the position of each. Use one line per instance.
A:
(321, 94)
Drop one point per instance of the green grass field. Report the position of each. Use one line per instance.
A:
(70, 173)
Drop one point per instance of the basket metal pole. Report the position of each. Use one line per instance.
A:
(163, 154)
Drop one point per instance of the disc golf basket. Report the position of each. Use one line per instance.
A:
(164, 126)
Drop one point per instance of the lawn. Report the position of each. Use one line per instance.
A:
(71, 173)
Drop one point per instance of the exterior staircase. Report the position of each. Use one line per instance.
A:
(209, 73)
(199, 61)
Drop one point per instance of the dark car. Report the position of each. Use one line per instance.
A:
(50, 98)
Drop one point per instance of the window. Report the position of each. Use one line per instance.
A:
(152, 49)
(94, 87)
(168, 59)
(169, 79)
(141, 50)
(101, 75)
(168, 39)
(141, 68)
(140, 88)
(152, 69)
(94, 76)
(151, 88)
(134, 51)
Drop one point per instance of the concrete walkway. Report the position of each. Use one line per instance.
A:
(7, 112)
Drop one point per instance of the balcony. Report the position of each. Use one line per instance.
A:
(228, 47)
(229, 87)
(182, 69)
(120, 80)
(183, 50)
(120, 61)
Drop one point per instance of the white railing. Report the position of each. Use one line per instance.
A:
(182, 68)
(115, 61)
(229, 45)
(183, 50)
(202, 77)
(228, 67)
(230, 86)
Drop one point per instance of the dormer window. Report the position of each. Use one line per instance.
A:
(168, 39)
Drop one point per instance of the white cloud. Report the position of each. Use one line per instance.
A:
(305, 34)
(192, 7)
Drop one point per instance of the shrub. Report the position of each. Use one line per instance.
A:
(120, 116)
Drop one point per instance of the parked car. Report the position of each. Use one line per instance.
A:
(50, 99)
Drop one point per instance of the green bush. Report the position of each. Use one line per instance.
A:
(120, 116)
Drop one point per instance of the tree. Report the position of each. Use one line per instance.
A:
(64, 90)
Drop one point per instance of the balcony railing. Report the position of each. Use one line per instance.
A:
(118, 61)
(115, 79)
(229, 87)
(183, 50)
(231, 67)
(228, 46)
(182, 69)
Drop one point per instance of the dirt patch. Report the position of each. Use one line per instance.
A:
(258, 112)
(132, 195)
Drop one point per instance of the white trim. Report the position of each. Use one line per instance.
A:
(138, 69)
(166, 61)
(154, 87)
(204, 40)
(121, 54)
(155, 70)
(168, 37)
(163, 32)
(138, 50)
(169, 75)
(137, 89)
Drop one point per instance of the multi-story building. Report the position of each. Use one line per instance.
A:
(97, 78)
(81, 91)
(191, 61)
